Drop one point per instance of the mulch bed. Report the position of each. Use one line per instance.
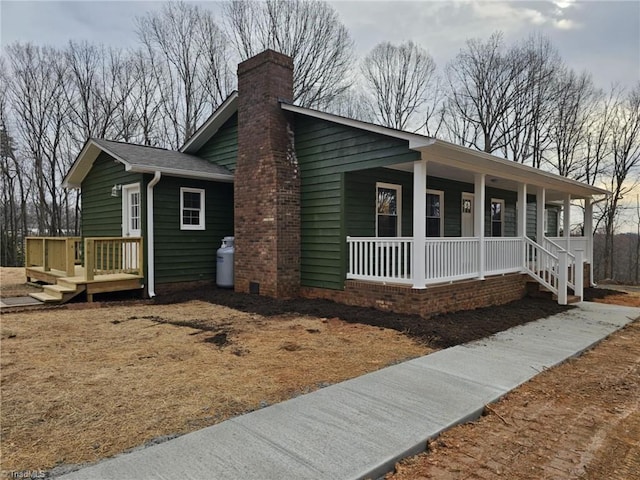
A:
(441, 331)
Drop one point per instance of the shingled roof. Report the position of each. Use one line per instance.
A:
(144, 159)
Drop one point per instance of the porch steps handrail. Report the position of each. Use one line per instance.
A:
(542, 265)
(554, 248)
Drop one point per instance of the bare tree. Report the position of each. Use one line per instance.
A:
(41, 116)
(185, 49)
(575, 100)
(400, 81)
(308, 31)
(484, 80)
(527, 123)
(625, 145)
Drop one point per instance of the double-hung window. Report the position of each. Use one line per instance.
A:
(435, 213)
(191, 208)
(497, 217)
(388, 210)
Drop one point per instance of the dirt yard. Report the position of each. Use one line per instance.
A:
(83, 382)
(13, 283)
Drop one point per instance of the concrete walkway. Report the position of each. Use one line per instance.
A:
(361, 427)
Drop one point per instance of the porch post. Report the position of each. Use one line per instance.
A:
(478, 216)
(588, 234)
(522, 210)
(540, 201)
(566, 220)
(419, 223)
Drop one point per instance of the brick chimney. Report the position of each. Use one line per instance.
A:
(267, 182)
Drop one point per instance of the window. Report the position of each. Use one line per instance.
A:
(388, 209)
(497, 217)
(435, 213)
(191, 209)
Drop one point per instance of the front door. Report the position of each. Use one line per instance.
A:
(131, 224)
(467, 219)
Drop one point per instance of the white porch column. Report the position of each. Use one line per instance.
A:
(522, 210)
(588, 234)
(540, 201)
(478, 218)
(419, 223)
(566, 221)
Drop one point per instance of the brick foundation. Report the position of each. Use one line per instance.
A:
(267, 182)
(431, 301)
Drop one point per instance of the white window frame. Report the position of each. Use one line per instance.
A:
(201, 224)
(502, 203)
(398, 189)
(440, 193)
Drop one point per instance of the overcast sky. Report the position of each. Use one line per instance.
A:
(601, 37)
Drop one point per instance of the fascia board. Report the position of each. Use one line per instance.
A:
(212, 125)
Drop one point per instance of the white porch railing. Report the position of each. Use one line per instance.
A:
(575, 244)
(503, 255)
(380, 259)
(449, 259)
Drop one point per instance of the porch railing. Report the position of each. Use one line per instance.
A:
(575, 244)
(53, 253)
(503, 255)
(103, 255)
(449, 259)
(385, 259)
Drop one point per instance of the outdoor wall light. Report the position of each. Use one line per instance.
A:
(115, 190)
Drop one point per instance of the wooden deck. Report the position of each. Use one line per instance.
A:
(111, 264)
(61, 287)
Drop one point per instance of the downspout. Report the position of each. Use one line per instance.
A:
(151, 281)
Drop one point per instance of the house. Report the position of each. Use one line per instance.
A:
(323, 206)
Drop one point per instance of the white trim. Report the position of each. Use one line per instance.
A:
(479, 188)
(521, 211)
(209, 128)
(440, 193)
(398, 189)
(125, 225)
(502, 206)
(201, 216)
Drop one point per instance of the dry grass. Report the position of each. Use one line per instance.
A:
(82, 384)
(13, 283)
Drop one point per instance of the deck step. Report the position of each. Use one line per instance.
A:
(45, 297)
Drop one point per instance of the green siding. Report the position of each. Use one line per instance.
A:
(222, 148)
(102, 213)
(188, 255)
(325, 152)
(510, 214)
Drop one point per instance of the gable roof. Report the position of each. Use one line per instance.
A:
(449, 154)
(209, 128)
(143, 159)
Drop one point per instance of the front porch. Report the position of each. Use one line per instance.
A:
(70, 266)
(392, 260)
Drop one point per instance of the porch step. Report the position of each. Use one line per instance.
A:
(570, 299)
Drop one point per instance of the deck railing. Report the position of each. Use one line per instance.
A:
(53, 253)
(101, 256)
(111, 255)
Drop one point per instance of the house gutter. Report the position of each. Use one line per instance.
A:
(151, 281)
